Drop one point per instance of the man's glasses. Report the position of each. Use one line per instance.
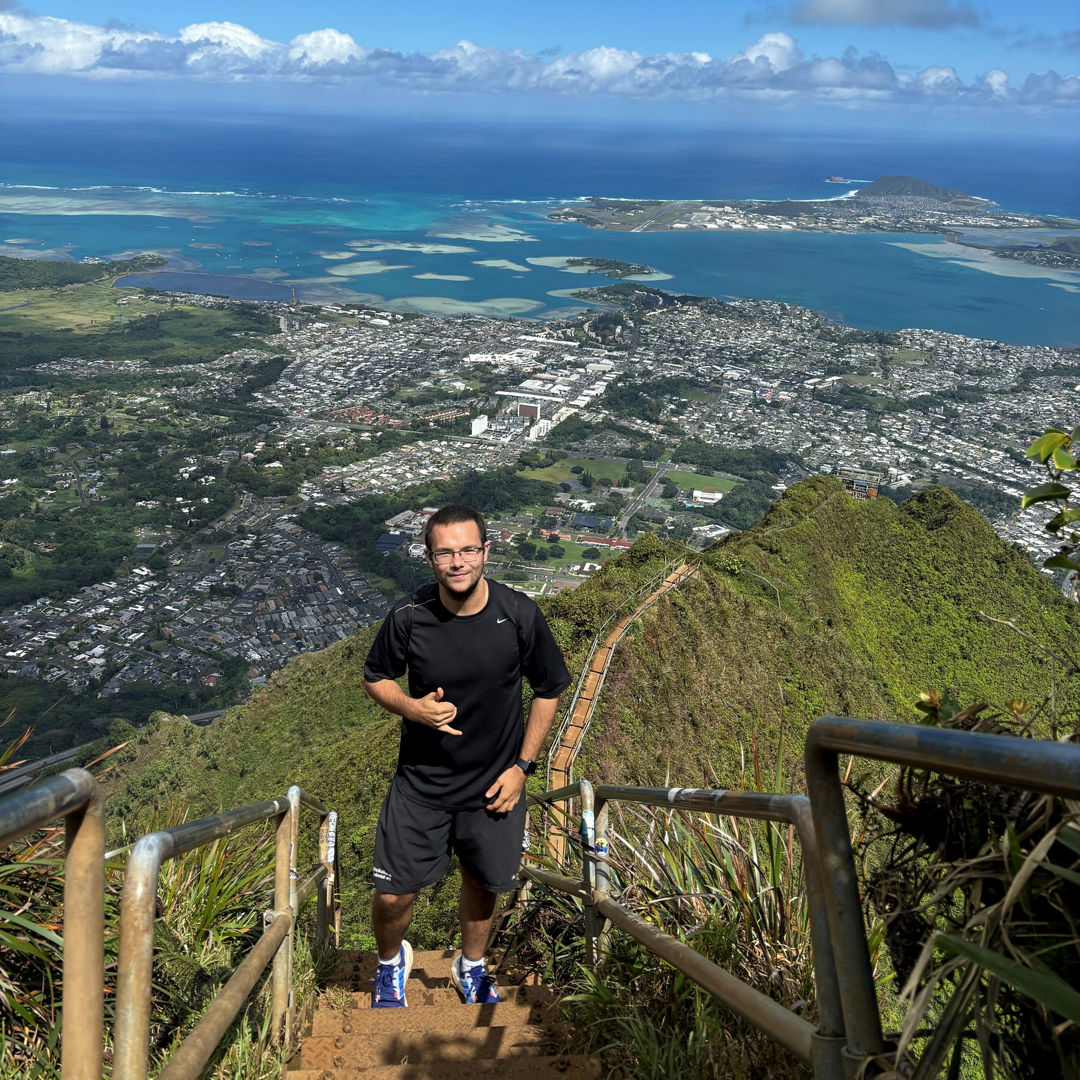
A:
(444, 556)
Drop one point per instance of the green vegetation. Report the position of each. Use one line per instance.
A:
(44, 274)
(689, 481)
(877, 604)
(645, 401)
(732, 890)
(564, 469)
(159, 332)
(830, 605)
(1055, 451)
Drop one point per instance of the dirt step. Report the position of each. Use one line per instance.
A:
(431, 967)
(430, 1040)
(456, 1017)
(566, 1067)
(535, 1000)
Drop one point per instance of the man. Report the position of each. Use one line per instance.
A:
(466, 642)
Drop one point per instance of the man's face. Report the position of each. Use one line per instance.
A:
(457, 573)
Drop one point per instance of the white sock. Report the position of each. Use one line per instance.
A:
(395, 959)
(468, 965)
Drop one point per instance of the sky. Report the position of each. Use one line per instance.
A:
(966, 63)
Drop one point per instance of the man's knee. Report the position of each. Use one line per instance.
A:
(391, 905)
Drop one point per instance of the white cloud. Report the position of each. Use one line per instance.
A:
(324, 47)
(771, 69)
(779, 51)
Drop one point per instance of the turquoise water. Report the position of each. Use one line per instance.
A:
(409, 219)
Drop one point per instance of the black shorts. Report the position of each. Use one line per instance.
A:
(414, 842)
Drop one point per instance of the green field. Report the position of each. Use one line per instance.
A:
(560, 473)
(690, 480)
(86, 321)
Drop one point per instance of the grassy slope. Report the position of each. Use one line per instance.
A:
(877, 602)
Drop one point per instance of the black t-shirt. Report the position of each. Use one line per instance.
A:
(479, 661)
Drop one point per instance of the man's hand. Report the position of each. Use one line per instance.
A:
(432, 711)
(506, 791)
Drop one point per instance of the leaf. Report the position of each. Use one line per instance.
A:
(1047, 443)
(1043, 986)
(1061, 562)
(1044, 492)
(1063, 460)
(1069, 835)
(1061, 871)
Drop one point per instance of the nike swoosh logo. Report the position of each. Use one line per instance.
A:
(497, 621)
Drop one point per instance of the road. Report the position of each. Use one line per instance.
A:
(662, 469)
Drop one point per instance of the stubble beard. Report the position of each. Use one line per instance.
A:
(463, 593)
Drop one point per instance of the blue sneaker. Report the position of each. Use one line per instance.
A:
(476, 985)
(390, 981)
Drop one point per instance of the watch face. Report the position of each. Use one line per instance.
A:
(527, 767)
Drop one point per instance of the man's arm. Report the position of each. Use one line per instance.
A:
(509, 785)
(430, 710)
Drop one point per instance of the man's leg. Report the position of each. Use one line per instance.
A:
(476, 909)
(390, 918)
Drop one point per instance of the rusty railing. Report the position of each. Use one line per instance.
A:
(75, 796)
(848, 1040)
(135, 970)
(820, 1047)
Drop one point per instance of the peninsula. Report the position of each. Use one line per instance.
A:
(889, 204)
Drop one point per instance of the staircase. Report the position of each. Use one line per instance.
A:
(437, 1037)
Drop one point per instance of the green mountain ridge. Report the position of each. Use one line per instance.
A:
(877, 603)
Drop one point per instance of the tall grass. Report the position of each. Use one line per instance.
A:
(209, 907)
(731, 889)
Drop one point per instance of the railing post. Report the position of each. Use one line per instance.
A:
(290, 940)
(601, 873)
(84, 940)
(328, 858)
(135, 966)
(281, 976)
(588, 840)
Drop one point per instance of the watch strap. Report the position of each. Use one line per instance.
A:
(527, 767)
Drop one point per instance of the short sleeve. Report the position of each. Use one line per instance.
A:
(541, 661)
(388, 656)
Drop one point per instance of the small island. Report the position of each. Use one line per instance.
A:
(613, 268)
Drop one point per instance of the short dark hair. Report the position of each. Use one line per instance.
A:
(454, 514)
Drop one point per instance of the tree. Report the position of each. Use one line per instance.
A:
(527, 549)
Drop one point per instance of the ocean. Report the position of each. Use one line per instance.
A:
(449, 218)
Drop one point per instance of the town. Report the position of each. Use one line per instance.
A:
(685, 418)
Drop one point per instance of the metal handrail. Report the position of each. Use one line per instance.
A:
(135, 967)
(1052, 768)
(821, 1047)
(849, 1037)
(75, 796)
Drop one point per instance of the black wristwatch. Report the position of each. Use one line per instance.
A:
(527, 767)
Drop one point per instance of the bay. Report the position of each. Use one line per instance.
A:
(450, 218)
